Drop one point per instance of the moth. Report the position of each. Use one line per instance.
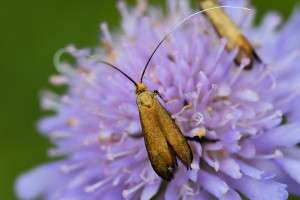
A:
(225, 27)
(164, 140)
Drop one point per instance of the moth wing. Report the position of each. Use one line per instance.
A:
(174, 135)
(160, 154)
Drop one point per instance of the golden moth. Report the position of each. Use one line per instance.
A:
(225, 27)
(163, 139)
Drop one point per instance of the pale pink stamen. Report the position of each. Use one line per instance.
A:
(277, 114)
(243, 64)
(112, 156)
(126, 193)
(276, 154)
(58, 80)
(223, 42)
(92, 188)
(59, 135)
(68, 168)
(106, 33)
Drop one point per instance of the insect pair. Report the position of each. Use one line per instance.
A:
(163, 139)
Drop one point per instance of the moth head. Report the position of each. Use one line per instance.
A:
(140, 88)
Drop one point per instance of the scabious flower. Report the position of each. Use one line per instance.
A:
(247, 120)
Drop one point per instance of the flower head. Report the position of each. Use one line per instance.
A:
(244, 124)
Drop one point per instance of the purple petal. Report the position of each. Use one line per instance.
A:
(247, 149)
(224, 90)
(230, 135)
(230, 167)
(230, 195)
(286, 135)
(149, 191)
(212, 184)
(113, 193)
(291, 166)
(281, 176)
(248, 95)
(204, 195)
(172, 191)
(34, 183)
(260, 189)
(193, 173)
(254, 172)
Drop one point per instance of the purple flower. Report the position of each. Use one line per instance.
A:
(248, 120)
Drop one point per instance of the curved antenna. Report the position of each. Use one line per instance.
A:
(106, 63)
(177, 25)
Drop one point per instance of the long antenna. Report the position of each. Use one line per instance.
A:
(106, 63)
(176, 26)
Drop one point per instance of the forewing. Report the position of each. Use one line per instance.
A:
(173, 135)
(159, 152)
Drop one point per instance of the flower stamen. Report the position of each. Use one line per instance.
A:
(223, 42)
(277, 114)
(106, 33)
(243, 64)
(117, 179)
(58, 80)
(92, 188)
(59, 135)
(126, 193)
(267, 73)
(68, 168)
(197, 119)
(50, 101)
(112, 156)
(54, 152)
(276, 154)
(190, 191)
(287, 98)
(143, 177)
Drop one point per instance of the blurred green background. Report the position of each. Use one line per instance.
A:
(31, 32)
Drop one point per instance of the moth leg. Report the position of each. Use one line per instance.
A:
(201, 140)
(256, 56)
(157, 93)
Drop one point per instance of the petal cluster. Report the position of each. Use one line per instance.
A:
(243, 125)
